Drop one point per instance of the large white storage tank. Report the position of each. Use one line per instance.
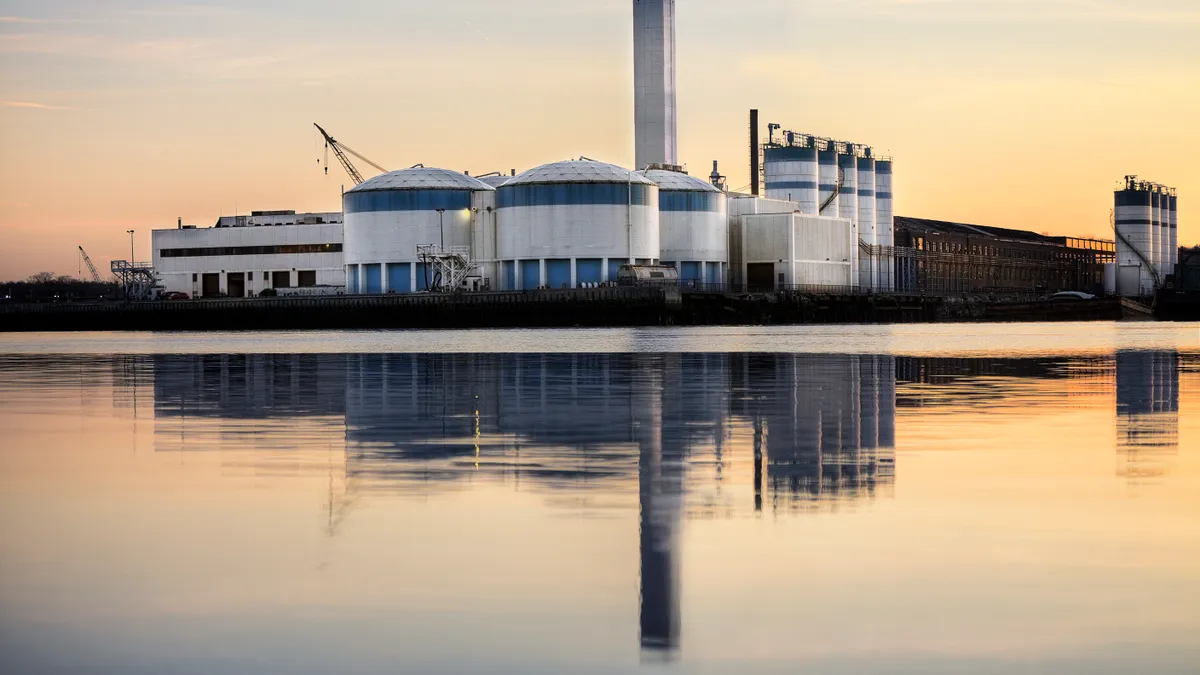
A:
(868, 270)
(1133, 214)
(884, 223)
(848, 205)
(1156, 244)
(693, 220)
(388, 216)
(573, 223)
(827, 180)
(791, 172)
(1173, 234)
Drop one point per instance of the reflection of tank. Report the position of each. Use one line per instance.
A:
(1147, 412)
(824, 426)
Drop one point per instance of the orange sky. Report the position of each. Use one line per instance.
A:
(1019, 113)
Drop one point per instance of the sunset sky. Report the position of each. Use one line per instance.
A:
(126, 114)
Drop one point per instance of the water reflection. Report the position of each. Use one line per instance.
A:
(1147, 413)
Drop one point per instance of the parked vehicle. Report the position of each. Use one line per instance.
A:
(176, 295)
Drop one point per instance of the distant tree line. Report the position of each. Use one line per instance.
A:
(47, 287)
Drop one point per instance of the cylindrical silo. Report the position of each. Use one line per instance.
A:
(692, 226)
(791, 174)
(1133, 214)
(388, 216)
(868, 273)
(569, 223)
(884, 227)
(848, 208)
(1156, 230)
(827, 180)
(1173, 235)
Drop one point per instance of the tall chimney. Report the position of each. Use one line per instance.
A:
(754, 152)
(654, 109)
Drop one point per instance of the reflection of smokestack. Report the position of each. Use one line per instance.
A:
(660, 493)
(654, 82)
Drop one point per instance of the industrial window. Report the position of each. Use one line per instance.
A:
(194, 277)
(407, 200)
(249, 276)
(563, 194)
(283, 249)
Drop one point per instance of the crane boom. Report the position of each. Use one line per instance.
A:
(86, 259)
(340, 150)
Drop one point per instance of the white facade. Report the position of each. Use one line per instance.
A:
(243, 261)
(693, 227)
(389, 216)
(1157, 247)
(1173, 233)
(654, 82)
(827, 182)
(574, 223)
(781, 250)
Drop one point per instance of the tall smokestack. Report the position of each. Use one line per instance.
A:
(754, 152)
(654, 82)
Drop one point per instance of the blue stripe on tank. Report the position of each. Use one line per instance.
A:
(883, 195)
(792, 184)
(865, 193)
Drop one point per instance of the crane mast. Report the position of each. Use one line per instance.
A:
(341, 151)
(91, 267)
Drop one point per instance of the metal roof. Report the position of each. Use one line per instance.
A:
(679, 182)
(421, 178)
(928, 225)
(496, 181)
(579, 171)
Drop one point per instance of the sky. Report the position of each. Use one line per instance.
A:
(129, 114)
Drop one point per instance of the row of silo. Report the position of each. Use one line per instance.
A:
(565, 224)
(810, 171)
(1146, 221)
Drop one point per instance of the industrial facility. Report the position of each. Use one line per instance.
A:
(1146, 221)
(823, 220)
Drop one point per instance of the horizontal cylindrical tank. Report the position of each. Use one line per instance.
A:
(693, 223)
(791, 174)
(574, 222)
(389, 216)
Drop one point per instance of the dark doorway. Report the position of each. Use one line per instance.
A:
(760, 277)
(235, 282)
(306, 278)
(281, 279)
(210, 285)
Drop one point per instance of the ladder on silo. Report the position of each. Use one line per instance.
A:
(837, 190)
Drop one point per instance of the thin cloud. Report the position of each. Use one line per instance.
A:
(33, 105)
(20, 19)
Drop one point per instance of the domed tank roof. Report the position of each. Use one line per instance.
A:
(421, 178)
(579, 171)
(680, 182)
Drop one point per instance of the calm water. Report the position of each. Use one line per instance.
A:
(911, 499)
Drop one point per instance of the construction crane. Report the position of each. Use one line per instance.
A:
(341, 150)
(91, 267)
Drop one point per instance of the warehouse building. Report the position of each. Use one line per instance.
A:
(241, 256)
(935, 256)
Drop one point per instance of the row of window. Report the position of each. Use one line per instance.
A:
(406, 200)
(572, 194)
(281, 249)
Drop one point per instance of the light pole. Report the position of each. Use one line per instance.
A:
(130, 246)
(441, 228)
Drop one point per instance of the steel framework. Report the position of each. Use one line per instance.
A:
(136, 278)
(446, 269)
